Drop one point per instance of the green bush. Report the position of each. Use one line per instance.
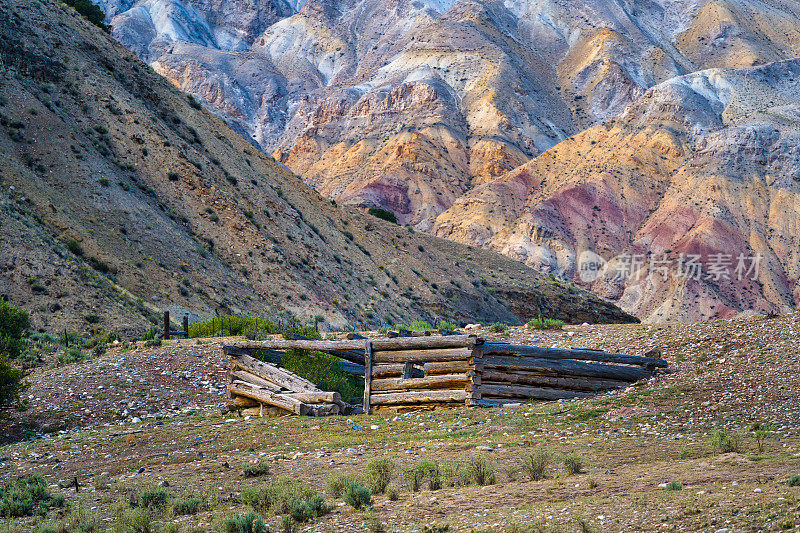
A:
(244, 523)
(186, 506)
(536, 465)
(722, 441)
(420, 325)
(75, 247)
(337, 483)
(14, 324)
(674, 485)
(89, 11)
(498, 327)
(379, 474)
(231, 326)
(135, 521)
(794, 481)
(278, 496)
(71, 355)
(154, 342)
(383, 214)
(305, 510)
(155, 498)
(323, 370)
(429, 470)
(573, 464)
(27, 496)
(256, 470)
(546, 323)
(11, 385)
(481, 470)
(357, 496)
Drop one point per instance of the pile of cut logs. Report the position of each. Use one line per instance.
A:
(260, 388)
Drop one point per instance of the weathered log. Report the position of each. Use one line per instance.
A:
(447, 367)
(394, 370)
(503, 390)
(315, 397)
(493, 348)
(424, 343)
(400, 398)
(249, 377)
(272, 373)
(241, 401)
(356, 357)
(421, 355)
(559, 382)
(444, 381)
(270, 398)
(557, 367)
(399, 343)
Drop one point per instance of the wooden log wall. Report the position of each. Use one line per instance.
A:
(425, 372)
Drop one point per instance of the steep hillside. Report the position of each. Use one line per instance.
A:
(703, 167)
(410, 104)
(120, 197)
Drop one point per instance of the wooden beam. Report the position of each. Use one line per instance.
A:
(556, 367)
(400, 398)
(446, 381)
(422, 355)
(447, 367)
(249, 377)
(315, 397)
(493, 348)
(505, 390)
(272, 373)
(394, 370)
(559, 382)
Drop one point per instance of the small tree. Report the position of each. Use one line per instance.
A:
(14, 324)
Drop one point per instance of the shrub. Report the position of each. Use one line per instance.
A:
(89, 11)
(337, 483)
(244, 523)
(383, 214)
(313, 507)
(154, 342)
(357, 496)
(497, 327)
(153, 498)
(794, 481)
(536, 465)
(74, 247)
(545, 323)
(14, 324)
(26, 496)
(323, 370)
(431, 471)
(722, 441)
(256, 470)
(135, 521)
(379, 474)
(173, 176)
(71, 355)
(674, 485)
(278, 496)
(481, 470)
(184, 506)
(573, 464)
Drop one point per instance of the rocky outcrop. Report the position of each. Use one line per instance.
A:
(703, 166)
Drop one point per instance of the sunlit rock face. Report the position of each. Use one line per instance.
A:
(701, 165)
(460, 117)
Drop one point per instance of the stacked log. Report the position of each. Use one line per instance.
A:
(517, 373)
(264, 387)
(413, 373)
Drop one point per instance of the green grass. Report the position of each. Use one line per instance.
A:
(545, 323)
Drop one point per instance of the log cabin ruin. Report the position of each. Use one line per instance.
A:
(427, 372)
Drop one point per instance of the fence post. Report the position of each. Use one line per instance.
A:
(186, 325)
(166, 325)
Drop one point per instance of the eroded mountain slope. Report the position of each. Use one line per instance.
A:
(121, 197)
(702, 165)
